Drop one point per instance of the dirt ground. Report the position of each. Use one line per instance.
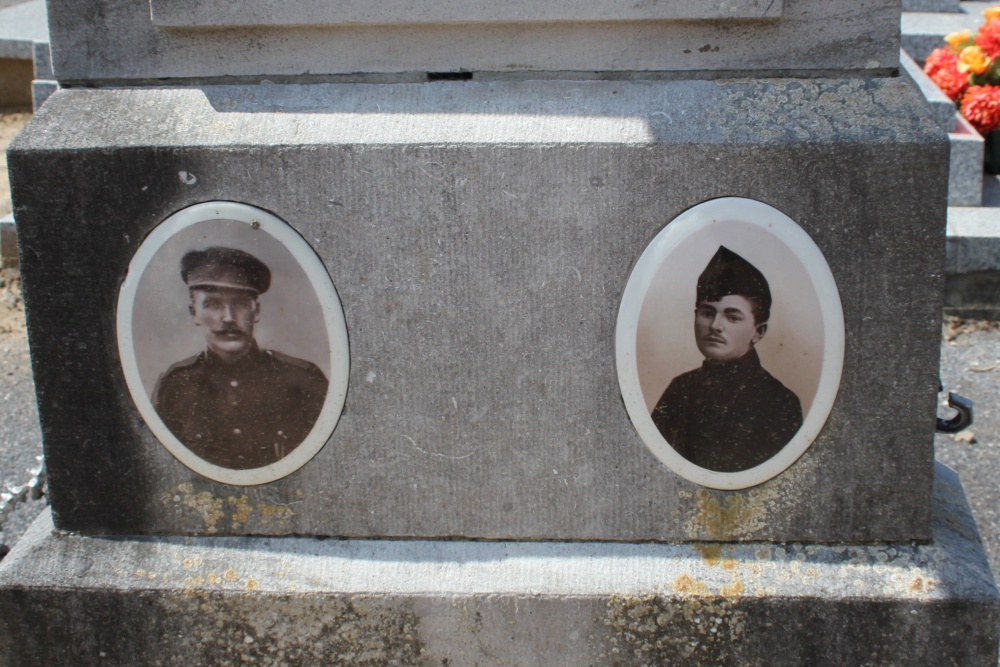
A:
(10, 125)
(11, 308)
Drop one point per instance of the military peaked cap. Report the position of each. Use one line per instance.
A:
(225, 267)
(727, 273)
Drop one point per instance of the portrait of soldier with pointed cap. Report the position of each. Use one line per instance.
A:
(234, 404)
(730, 414)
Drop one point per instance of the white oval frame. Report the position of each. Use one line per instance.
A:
(784, 230)
(333, 316)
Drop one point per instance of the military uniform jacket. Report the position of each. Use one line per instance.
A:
(243, 415)
(728, 416)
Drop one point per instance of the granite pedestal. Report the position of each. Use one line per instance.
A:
(480, 236)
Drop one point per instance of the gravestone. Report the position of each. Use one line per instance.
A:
(296, 271)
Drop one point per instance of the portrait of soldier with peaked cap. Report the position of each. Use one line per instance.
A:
(730, 414)
(235, 404)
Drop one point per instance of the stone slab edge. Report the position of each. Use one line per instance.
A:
(828, 35)
(113, 601)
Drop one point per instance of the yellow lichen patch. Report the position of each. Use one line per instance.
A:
(710, 552)
(252, 585)
(276, 512)
(688, 585)
(229, 575)
(206, 506)
(921, 585)
(722, 517)
(734, 589)
(212, 578)
(729, 564)
(241, 510)
(140, 573)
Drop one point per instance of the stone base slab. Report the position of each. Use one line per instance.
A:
(296, 601)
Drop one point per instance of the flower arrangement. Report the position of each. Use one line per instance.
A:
(968, 71)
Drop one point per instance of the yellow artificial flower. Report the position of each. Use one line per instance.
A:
(972, 59)
(958, 40)
(992, 13)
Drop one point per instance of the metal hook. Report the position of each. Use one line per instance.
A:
(962, 420)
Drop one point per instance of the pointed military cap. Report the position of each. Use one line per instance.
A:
(727, 273)
(225, 268)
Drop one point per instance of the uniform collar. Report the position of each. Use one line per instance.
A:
(748, 361)
(213, 360)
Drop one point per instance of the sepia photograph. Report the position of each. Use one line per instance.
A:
(730, 343)
(233, 343)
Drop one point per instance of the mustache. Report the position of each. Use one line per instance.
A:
(229, 329)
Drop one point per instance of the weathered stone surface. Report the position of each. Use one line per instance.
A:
(294, 601)
(940, 105)
(245, 13)
(480, 236)
(924, 32)
(809, 36)
(932, 6)
(965, 173)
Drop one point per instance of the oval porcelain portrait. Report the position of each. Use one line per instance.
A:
(233, 343)
(730, 343)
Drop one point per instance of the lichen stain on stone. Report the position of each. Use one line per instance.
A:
(735, 589)
(279, 513)
(724, 517)
(212, 510)
(921, 585)
(711, 552)
(241, 510)
(206, 506)
(809, 110)
(685, 584)
(240, 629)
(648, 629)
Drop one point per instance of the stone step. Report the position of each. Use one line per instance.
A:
(67, 599)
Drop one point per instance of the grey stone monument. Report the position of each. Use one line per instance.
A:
(471, 222)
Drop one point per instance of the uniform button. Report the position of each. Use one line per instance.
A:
(236, 431)
(234, 383)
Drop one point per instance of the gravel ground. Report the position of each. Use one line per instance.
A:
(970, 366)
(20, 436)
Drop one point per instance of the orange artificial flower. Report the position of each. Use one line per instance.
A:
(973, 59)
(940, 66)
(981, 107)
(988, 38)
(959, 40)
(992, 13)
